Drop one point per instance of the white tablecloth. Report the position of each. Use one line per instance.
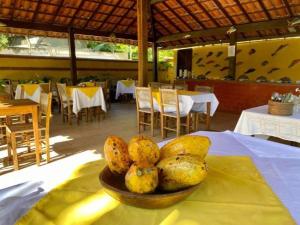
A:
(256, 121)
(193, 102)
(81, 100)
(34, 97)
(123, 89)
(279, 164)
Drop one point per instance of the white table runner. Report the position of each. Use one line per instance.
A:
(256, 121)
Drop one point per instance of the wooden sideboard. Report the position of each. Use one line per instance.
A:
(236, 96)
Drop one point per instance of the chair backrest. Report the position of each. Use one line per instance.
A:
(154, 84)
(181, 86)
(166, 86)
(169, 100)
(61, 88)
(102, 84)
(46, 87)
(201, 88)
(45, 108)
(144, 98)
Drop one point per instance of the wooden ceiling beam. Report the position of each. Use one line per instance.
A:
(265, 25)
(36, 11)
(227, 41)
(62, 29)
(224, 11)
(93, 14)
(207, 13)
(287, 5)
(76, 12)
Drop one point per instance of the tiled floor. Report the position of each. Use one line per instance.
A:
(67, 140)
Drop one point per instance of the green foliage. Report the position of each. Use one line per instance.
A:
(107, 47)
(4, 41)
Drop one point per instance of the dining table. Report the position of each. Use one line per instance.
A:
(30, 91)
(4, 96)
(86, 97)
(22, 107)
(270, 191)
(190, 101)
(125, 87)
(257, 121)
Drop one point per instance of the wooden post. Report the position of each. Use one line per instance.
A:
(142, 18)
(232, 59)
(72, 50)
(154, 47)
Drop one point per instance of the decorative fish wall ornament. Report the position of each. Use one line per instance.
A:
(208, 72)
(239, 63)
(279, 49)
(224, 68)
(201, 65)
(294, 62)
(252, 51)
(273, 70)
(210, 62)
(264, 63)
(217, 65)
(238, 51)
(209, 54)
(219, 54)
(199, 60)
(251, 70)
(226, 59)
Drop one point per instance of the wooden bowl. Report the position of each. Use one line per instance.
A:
(114, 185)
(280, 109)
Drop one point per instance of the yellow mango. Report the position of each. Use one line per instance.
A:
(181, 171)
(143, 151)
(141, 180)
(116, 155)
(189, 144)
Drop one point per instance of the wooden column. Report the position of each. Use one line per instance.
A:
(154, 47)
(142, 18)
(232, 59)
(72, 49)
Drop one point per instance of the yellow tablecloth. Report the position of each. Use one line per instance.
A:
(127, 83)
(233, 193)
(88, 91)
(30, 89)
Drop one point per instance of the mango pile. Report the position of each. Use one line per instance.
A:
(177, 165)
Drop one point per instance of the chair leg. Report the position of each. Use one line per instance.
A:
(14, 150)
(47, 147)
(69, 116)
(152, 124)
(208, 106)
(162, 126)
(178, 126)
(188, 123)
(62, 113)
(138, 121)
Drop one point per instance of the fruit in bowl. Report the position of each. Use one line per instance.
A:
(116, 155)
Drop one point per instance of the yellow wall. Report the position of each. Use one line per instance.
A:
(250, 56)
(22, 68)
(210, 61)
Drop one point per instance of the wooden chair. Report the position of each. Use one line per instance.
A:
(181, 86)
(46, 87)
(166, 86)
(154, 85)
(65, 103)
(17, 132)
(8, 88)
(199, 117)
(170, 109)
(144, 107)
(206, 89)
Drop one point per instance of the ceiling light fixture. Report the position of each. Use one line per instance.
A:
(231, 30)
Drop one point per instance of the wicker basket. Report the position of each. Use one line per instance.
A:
(280, 109)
